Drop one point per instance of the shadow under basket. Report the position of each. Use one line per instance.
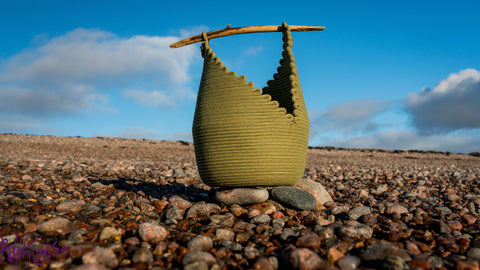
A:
(244, 136)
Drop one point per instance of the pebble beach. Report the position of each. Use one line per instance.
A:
(112, 203)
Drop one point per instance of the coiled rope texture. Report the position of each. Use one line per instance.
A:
(246, 137)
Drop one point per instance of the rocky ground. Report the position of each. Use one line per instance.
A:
(106, 203)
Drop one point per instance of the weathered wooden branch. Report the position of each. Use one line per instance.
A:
(228, 31)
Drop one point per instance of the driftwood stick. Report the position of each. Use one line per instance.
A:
(228, 31)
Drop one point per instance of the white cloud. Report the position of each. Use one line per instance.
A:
(410, 140)
(95, 56)
(348, 117)
(73, 72)
(453, 104)
(150, 98)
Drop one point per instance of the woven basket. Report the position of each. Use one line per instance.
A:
(246, 137)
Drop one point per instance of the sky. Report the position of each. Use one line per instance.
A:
(384, 74)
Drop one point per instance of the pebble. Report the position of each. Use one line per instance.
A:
(231, 245)
(179, 203)
(142, 255)
(251, 252)
(474, 254)
(393, 262)
(381, 252)
(339, 209)
(200, 243)
(106, 197)
(152, 233)
(333, 255)
(294, 197)
(327, 234)
(304, 259)
(357, 212)
(77, 236)
(456, 175)
(469, 219)
(349, 262)
(224, 234)
(195, 255)
(316, 189)
(368, 219)
(435, 262)
(90, 267)
(100, 255)
(263, 264)
(203, 210)
(261, 219)
(440, 226)
(73, 206)
(309, 240)
(237, 210)
(58, 225)
(361, 230)
(396, 209)
(108, 232)
(363, 194)
(242, 196)
(197, 265)
(91, 210)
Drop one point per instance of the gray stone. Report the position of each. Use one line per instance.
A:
(410, 195)
(142, 255)
(357, 212)
(396, 209)
(73, 206)
(108, 232)
(90, 266)
(261, 219)
(203, 210)
(224, 234)
(316, 189)
(361, 230)
(474, 254)
(251, 252)
(381, 252)
(456, 175)
(349, 262)
(339, 209)
(273, 262)
(435, 262)
(152, 233)
(91, 209)
(76, 236)
(198, 265)
(309, 240)
(100, 255)
(195, 255)
(236, 247)
(294, 197)
(303, 258)
(58, 225)
(440, 227)
(393, 262)
(242, 196)
(444, 210)
(200, 243)
(174, 213)
(326, 234)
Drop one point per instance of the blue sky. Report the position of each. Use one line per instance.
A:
(384, 74)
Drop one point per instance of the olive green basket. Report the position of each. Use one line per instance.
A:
(244, 136)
